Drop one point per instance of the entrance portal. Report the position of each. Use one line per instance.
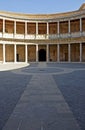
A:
(42, 55)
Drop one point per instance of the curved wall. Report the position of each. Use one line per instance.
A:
(60, 36)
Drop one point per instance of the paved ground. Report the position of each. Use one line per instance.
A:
(12, 66)
(43, 97)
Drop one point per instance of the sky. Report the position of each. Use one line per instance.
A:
(40, 6)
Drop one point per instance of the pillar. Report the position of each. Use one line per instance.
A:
(47, 29)
(80, 25)
(15, 53)
(3, 26)
(3, 53)
(14, 28)
(58, 52)
(36, 52)
(26, 59)
(80, 52)
(47, 53)
(69, 52)
(25, 28)
(58, 29)
(36, 28)
(69, 27)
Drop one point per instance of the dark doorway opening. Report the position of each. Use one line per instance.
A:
(42, 55)
(17, 57)
(66, 56)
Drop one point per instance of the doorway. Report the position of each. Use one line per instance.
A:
(42, 55)
(17, 57)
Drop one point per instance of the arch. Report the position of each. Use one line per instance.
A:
(42, 55)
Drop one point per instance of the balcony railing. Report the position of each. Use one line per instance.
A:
(41, 37)
(7, 35)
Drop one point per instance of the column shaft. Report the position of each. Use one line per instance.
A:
(3, 26)
(80, 25)
(47, 28)
(36, 52)
(14, 28)
(69, 52)
(25, 28)
(58, 52)
(4, 53)
(47, 53)
(36, 28)
(69, 27)
(15, 53)
(58, 29)
(80, 52)
(26, 60)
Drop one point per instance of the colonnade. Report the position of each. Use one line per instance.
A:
(47, 24)
(56, 54)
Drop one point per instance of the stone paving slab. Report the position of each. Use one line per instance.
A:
(41, 107)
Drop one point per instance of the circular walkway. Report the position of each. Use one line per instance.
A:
(49, 68)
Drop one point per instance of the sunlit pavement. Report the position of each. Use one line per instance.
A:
(42, 105)
(12, 66)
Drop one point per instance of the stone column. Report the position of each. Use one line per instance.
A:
(80, 52)
(47, 53)
(58, 29)
(58, 52)
(80, 26)
(14, 28)
(36, 28)
(3, 53)
(25, 28)
(69, 52)
(3, 26)
(47, 29)
(69, 27)
(15, 53)
(36, 52)
(26, 54)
